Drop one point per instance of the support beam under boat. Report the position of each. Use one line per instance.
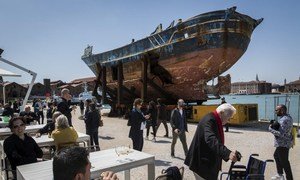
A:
(164, 93)
(104, 85)
(131, 93)
(120, 84)
(144, 79)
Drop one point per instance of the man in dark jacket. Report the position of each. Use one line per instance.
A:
(64, 105)
(92, 124)
(162, 116)
(28, 115)
(179, 127)
(207, 149)
(8, 111)
(137, 121)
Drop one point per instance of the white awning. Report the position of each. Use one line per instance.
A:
(8, 73)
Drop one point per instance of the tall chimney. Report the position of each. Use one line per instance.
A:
(47, 86)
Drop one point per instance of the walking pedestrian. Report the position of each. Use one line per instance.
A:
(152, 112)
(179, 127)
(283, 142)
(207, 148)
(162, 116)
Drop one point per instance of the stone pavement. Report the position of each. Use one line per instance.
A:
(244, 139)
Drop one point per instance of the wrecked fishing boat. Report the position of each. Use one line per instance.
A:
(176, 62)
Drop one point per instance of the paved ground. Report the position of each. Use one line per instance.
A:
(244, 139)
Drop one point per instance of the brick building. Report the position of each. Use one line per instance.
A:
(251, 87)
(293, 86)
(12, 91)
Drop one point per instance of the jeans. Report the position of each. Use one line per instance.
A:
(281, 156)
(182, 138)
(94, 139)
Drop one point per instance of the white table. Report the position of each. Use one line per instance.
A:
(106, 160)
(28, 129)
(3, 124)
(44, 140)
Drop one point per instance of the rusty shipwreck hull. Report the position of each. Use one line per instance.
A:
(180, 60)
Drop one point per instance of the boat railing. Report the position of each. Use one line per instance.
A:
(200, 24)
(155, 40)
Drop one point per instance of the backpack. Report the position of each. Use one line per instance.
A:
(172, 173)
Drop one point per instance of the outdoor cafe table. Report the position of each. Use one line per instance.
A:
(43, 141)
(106, 160)
(28, 129)
(2, 123)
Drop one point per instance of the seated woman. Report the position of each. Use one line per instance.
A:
(49, 127)
(63, 133)
(19, 147)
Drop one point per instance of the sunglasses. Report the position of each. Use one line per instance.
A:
(17, 126)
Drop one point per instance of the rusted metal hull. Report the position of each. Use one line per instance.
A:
(188, 56)
(191, 71)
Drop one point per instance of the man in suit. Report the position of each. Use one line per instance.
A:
(207, 149)
(179, 127)
(137, 121)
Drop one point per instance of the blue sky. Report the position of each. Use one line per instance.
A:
(49, 37)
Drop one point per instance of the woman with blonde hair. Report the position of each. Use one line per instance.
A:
(63, 133)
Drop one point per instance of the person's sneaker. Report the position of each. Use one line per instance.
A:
(172, 155)
(278, 177)
(154, 139)
(147, 138)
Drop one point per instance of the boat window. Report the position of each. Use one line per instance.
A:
(186, 35)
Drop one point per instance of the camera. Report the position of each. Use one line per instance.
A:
(274, 125)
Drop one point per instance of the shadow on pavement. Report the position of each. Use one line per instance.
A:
(162, 141)
(236, 132)
(162, 163)
(106, 137)
(179, 158)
